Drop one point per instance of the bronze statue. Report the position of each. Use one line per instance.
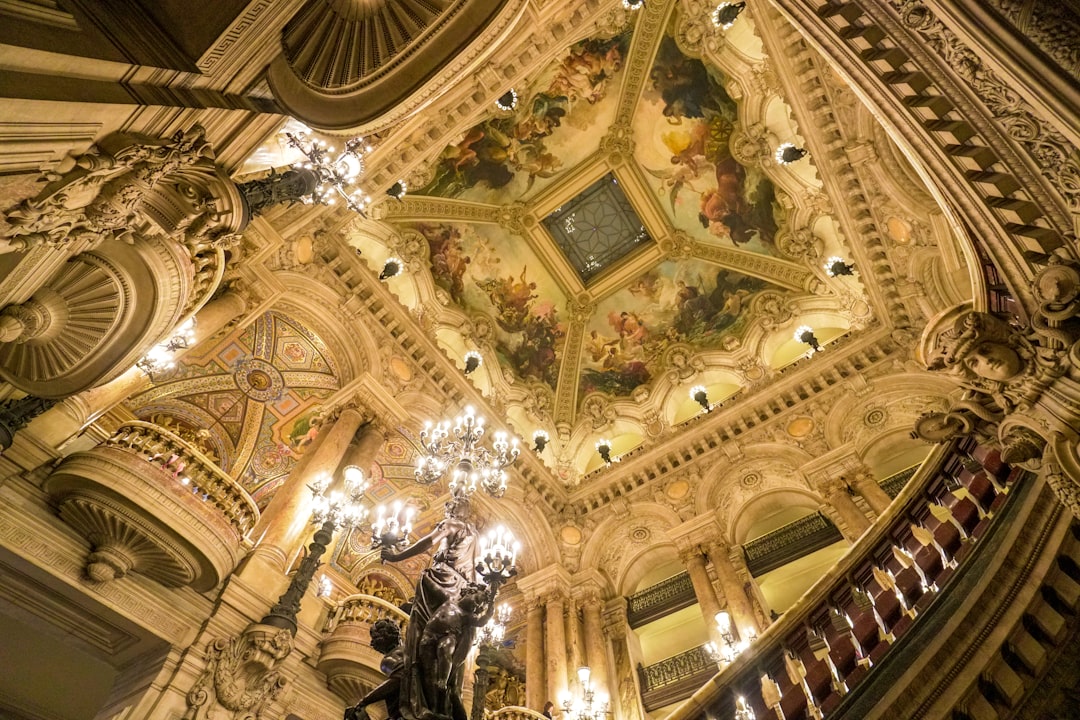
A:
(385, 638)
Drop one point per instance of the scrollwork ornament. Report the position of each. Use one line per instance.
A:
(750, 144)
(617, 144)
(799, 243)
(771, 309)
(242, 676)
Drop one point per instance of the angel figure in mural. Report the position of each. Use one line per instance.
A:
(425, 695)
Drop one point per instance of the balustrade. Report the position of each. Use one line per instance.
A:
(832, 640)
(151, 503)
(190, 468)
(351, 666)
(515, 712)
(663, 598)
(790, 542)
(675, 678)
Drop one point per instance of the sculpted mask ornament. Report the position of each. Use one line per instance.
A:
(1023, 382)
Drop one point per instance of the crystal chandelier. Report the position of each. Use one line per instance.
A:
(159, 358)
(591, 705)
(335, 172)
(491, 633)
(458, 449)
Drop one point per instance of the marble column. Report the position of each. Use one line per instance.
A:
(595, 647)
(875, 496)
(67, 419)
(555, 647)
(734, 589)
(694, 560)
(535, 687)
(853, 523)
(574, 656)
(624, 690)
(284, 523)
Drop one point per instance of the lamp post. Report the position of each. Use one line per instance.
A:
(330, 512)
(590, 705)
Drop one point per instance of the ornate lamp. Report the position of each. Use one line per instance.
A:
(699, 395)
(391, 531)
(743, 711)
(633, 4)
(391, 268)
(540, 441)
(603, 446)
(836, 266)
(788, 153)
(730, 647)
(473, 360)
(491, 633)
(498, 552)
(338, 510)
(726, 13)
(460, 449)
(398, 190)
(335, 172)
(507, 101)
(805, 334)
(591, 705)
(159, 358)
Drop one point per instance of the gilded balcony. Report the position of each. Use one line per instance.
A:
(350, 664)
(150, 503)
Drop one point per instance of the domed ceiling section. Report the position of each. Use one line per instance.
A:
(252, 401)
(601, 314)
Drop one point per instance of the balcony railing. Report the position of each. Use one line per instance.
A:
(827, 646)
(790, 542)
(663, 598)
(675, 678)
(190, 468)
(895, 483)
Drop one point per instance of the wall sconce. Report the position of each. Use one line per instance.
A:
(473, 360)
(632, 5)
(603, 447)
(725, 14)
(805, 334)
(507, 101)
(398, 190)
(699, 395)
(391, 268)
(788, 153)
(325, 587)
(159, 358)
(723, 624)
(540, 441)
(743, 711)
(836, 266)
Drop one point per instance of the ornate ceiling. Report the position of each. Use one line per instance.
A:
(688, 134)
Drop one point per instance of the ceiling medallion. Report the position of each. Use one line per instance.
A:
(750, 480)
(640, 534)
(259, 380)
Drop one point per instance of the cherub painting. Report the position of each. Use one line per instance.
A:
(502, 157)
(676, 303)
(685, 125)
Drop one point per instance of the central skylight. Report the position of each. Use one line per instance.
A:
(597, 228)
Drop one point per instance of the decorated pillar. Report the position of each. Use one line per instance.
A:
(735, 590)
(283, 525)
(535, 687)
(555, 646)
(853, 523)
(875, 496)
(595, 648)
(694, 560)
(574, 656)
(624, 691)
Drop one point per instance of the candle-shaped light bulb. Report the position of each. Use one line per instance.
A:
(583, 674)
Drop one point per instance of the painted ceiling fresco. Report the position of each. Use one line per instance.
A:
(687, 302)
(252, 401)
(489, 273)
(682, 128)
(553, 127)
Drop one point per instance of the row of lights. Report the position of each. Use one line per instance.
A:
(727, 652)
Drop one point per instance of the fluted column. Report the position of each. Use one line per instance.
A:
(853, 522)
(595, 648)
(535, 687)
(875, 496)
(284, 523)
(68, 418)
(694, 560)
(727, 575)
(624, 690)
(555, 647)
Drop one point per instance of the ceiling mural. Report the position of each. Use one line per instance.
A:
(689, 302)
(487, 272)
(682, 130)
(252, 401)
(552, 128)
